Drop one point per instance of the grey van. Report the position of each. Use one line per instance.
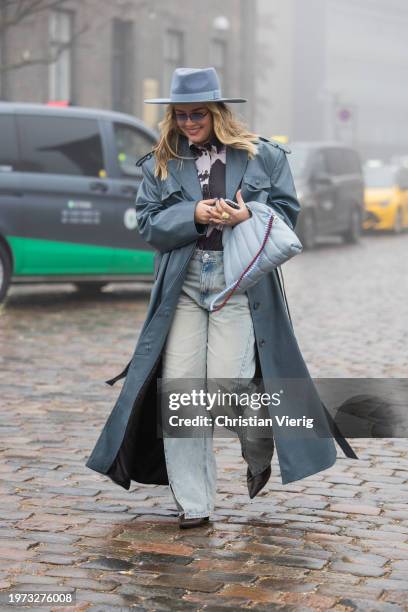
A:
(330, 186)
(68, 182)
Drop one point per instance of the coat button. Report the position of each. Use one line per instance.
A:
(261, 342)
(256, 305)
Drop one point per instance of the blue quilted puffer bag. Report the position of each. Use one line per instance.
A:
(252, 248)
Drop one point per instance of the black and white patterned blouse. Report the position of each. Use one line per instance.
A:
(210, 160)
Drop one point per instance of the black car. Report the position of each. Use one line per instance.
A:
(330, 186)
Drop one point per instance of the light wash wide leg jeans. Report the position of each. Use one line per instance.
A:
(207, 345)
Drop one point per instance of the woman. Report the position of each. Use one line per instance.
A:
(205, 155)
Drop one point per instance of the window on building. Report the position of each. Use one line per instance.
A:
(173, 56)
(60, 145)
(122, 66)
(218, 52)
(60, 70)
(131, 144)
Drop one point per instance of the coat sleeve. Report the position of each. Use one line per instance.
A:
(164, 227)
(282, 196)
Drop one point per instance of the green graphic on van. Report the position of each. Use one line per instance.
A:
(47, 257)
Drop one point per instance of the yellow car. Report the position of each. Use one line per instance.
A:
(386, 197)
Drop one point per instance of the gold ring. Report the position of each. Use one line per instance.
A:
(225, 215)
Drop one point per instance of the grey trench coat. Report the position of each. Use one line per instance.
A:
(128, 447)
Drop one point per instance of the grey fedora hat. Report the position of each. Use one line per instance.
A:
(194, 85)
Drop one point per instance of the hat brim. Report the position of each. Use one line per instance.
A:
(170, 101)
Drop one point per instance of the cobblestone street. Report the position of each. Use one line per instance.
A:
(335, 541)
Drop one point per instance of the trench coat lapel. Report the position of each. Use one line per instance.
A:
(237, 161)
(185, 172)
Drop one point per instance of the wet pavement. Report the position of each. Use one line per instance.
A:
(335, 541)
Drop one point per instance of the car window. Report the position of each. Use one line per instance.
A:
(8, 144)
(335, 161)
(60, 145)
(131, 144)
(343, 161)
(351, 162)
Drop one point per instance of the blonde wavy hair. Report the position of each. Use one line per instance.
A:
(227, 128)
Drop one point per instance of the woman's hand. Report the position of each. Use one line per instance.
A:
(235, 215)
(203, 211)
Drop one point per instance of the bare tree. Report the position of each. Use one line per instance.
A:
(14, 13)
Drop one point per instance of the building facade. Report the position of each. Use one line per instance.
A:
(114, 53)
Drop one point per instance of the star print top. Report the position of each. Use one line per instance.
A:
(210, 160)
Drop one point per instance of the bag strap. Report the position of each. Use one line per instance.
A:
(251, 263)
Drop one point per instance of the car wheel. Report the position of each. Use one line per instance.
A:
(354, 232)
(307, 233)
(89, 287)
(5, 272)
(398, 222)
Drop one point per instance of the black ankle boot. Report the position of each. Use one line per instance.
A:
(256, 483)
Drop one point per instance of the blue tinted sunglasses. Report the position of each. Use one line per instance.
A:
(195, 117)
